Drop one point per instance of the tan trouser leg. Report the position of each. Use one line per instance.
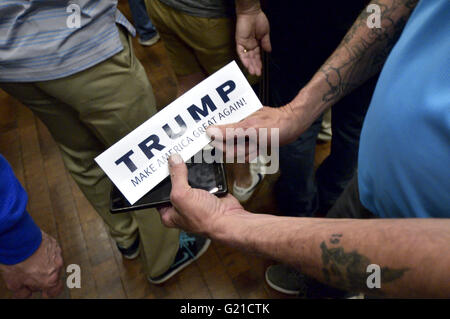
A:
(86, 113)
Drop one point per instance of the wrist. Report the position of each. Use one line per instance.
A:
(247, 7)
(226, 227)
(309, 104)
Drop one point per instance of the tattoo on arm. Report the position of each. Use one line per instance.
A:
(335, 238)
(348, 270)
(362, 54)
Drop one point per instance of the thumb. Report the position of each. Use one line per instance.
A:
(178, 175)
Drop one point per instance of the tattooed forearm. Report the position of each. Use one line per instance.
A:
(348, 270)
(363, 50)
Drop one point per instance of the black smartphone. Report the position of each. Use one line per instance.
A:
(210, 177)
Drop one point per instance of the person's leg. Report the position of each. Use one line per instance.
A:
(339, 167)
(187, 82)
(78, 148)
(96, 108)
(198, 47)
(325, 129)
(182, 58)
(295, 190)
(213, 44)
(348, 204)
(143, 24)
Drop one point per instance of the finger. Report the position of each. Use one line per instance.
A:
(256, 61)
(167, 216)
(163, 207)
(241, 51)
(178, 176)
(22, 293)
(52, 279)
(53, 291)
(265, 43)
(218, 133)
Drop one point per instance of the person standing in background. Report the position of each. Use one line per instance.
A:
(199, 39)
(394, 214)
(74, 66)
(148, 35)
(302, 35)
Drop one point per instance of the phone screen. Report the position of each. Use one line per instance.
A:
(209, 177)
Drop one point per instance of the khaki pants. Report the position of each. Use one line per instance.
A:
(86, 113)
(193, 44)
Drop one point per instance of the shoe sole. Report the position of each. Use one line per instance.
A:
(133, 256)
(150, 42)
(246, 197)
(176, 271)
(279, 289)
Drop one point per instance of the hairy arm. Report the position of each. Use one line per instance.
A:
(413, 254)
(360, 55)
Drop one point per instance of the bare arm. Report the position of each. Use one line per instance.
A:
(360, 55)
(413, 254)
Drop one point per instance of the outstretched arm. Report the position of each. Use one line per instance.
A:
(413, 254)
(360, 55)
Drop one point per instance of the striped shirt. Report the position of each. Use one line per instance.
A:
(42, 40)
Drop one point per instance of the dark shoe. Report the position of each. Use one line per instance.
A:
(284, 279)
(191, 248)
(290, 281)
(131, 252)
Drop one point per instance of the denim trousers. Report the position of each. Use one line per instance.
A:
(303, 36)
(142, 22)
(300, 191)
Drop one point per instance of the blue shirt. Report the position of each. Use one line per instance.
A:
(404, 156)
(39, 40)
(19, 235)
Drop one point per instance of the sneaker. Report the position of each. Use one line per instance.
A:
(290, 281)
(325, 133)
(243, 194)
(150, 41)
(191, 248)
(284, 279)
(131, 252)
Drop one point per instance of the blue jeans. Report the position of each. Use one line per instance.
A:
(300, 191)
(144, 26)
(301, 42)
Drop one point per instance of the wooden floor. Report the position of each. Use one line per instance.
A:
(59, 208)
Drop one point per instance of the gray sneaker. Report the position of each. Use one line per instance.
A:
(149, 42)
(290, 281)
(284, 279)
